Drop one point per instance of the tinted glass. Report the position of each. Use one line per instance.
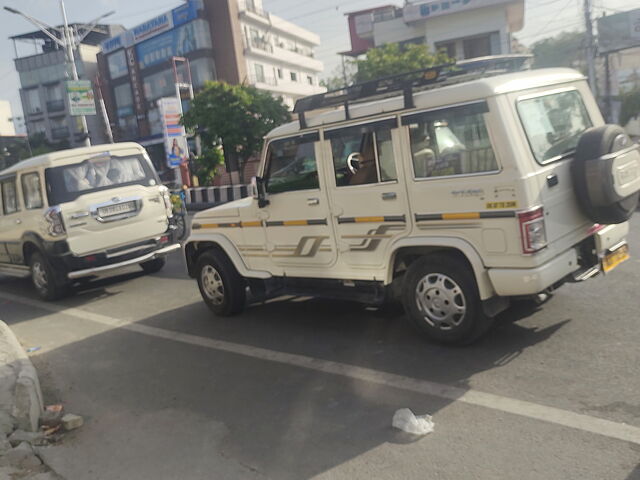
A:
(32, 191)
(554, 123)
(9, 196)
(292, 166)
(450, 142)
(66, 183)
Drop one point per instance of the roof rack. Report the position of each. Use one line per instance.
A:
(438, 75)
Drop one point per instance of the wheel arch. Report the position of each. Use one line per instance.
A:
(198, 244)
(408, 250)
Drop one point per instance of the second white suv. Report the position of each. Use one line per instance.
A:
(73, 214)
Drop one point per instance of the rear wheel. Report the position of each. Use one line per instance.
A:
(153, 266)
(441, 300)
(48, 286)
(221, 286)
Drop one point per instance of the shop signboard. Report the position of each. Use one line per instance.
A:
(81, 98)
(175, 137)
(619, 32)
(161, 48)
(434, 8)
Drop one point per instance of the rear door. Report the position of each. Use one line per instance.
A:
(367, 192)
(108, 201)
(554, 120)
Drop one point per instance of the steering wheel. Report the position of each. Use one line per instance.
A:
(353, 162)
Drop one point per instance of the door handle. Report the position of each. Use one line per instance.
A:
(313, 201)
(389, 196)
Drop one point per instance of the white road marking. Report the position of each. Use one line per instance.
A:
(586, 423)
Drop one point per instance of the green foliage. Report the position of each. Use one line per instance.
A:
(564, 50)
(40, 145)
(392, 59)
(630, 105)
(205, 165)
(235, 117)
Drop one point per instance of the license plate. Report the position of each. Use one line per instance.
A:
(117, 209)
(615, 258)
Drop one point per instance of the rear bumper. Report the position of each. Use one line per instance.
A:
(132, 261)
(510, 282)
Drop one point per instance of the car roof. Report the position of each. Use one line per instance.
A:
(463, 92)
(71, 156)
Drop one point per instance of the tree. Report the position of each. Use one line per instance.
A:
(564, 50)
(630, 105)
(392, 58)
(234, 117)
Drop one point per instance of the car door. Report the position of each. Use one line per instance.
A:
(10, 222)
(367, 191)
(298, 230)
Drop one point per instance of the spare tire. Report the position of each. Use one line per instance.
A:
(606, 174)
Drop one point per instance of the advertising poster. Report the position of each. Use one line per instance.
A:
(175, 137)
(81, 99)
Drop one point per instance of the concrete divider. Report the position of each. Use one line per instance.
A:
(20, 394)
(206, 197)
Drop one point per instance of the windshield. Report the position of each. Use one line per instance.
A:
(554, 123)
(66, 183)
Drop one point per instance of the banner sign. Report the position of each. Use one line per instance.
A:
(136, 83)
(81, 99)
(619, 31)
(175, 43)
(434, 8)
(175, 137)
(157, 25)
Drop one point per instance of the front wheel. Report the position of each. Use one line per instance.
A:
(441, 300)
(47, 285)
(221, 286)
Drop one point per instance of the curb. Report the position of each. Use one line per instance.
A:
(26, 405)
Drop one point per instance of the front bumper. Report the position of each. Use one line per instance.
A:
(125, 263)
(570, 264)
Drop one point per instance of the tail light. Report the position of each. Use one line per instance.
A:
(55, 224)
(166, 198)
(532, 230)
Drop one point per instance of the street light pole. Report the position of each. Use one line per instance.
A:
(70, 46)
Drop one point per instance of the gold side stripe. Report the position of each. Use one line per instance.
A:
(461, 216)
(292, 223)
(256, 223)
(369, 219)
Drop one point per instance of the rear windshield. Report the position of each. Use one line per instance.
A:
(66, 183)
(554, 124)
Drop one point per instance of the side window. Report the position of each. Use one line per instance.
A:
(450, 141)
(292, 165)
(32, 191)
(363, 154)
(9, 196)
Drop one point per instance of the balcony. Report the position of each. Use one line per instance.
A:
(55, 105)
(60, 133)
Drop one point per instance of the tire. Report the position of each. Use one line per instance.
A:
(221, 286)
(47, 284)
(441, 300)
(153, 266)
(594, 179)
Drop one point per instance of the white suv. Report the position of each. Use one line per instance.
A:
(454, 198)
(76, 213)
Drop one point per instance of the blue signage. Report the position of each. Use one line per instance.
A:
(174, 43)
(185, 13)
(152, 27)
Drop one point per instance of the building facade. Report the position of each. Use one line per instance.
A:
(462, 28)
(43, 89)
(230, 40)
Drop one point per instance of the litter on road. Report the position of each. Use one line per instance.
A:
(405, 420)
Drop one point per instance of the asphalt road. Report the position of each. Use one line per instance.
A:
(301, 388)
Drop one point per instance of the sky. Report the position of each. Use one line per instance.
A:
(325, 17)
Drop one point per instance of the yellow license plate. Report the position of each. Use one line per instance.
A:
(615, 258)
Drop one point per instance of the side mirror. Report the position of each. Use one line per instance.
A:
(259, 191)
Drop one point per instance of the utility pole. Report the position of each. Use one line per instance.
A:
(68, 42)
(591, 48)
